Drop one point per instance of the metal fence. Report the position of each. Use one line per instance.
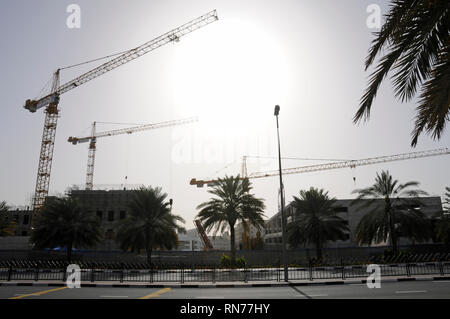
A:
(253, 258)
(184, 274)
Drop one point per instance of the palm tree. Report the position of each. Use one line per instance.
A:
(149, 223)
(7, 225)
(399, 216)
(315, 221)
(443, 221)
(62, 223)
(416, 41)
(447, 199)
(232, 203)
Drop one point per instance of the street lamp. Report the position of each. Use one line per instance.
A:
(283, 220)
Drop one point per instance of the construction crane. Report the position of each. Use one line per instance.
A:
(332, 165)
(201, 231)
(92, 139)
(51, 101)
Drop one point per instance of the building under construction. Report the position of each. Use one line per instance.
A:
(352, 214)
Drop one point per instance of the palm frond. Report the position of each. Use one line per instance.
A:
(434, 104)
(415, 37)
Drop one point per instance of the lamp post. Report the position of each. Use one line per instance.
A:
(283, 220)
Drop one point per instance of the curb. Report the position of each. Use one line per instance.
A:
(239, 285)
(84, 285)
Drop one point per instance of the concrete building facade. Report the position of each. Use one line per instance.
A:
(352, 214)
(253, 232)
(110, 206)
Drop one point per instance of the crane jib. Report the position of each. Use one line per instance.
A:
(171, 36)
(51, 101)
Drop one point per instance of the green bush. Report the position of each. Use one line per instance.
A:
(225, 261)
(240, 262)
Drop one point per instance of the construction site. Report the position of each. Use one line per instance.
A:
(214, 150)
(110, 206)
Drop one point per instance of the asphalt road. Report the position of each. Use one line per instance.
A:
(388, 290)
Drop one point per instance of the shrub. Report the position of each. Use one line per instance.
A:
(225, 261)
(240, 262)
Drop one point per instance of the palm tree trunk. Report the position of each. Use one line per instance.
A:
(148, 249)
(318, 243)
(233, 245)
(392, 234)
(394, 240)
(319, 251)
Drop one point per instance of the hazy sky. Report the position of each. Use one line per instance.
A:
(306, 56)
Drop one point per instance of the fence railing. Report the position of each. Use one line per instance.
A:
(184, 274)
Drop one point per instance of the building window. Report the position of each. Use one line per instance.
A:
(111, 216)
(26, 220)
(24, 233)
(122, 214)
(100, 214)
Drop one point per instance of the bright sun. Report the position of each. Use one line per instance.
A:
(232, 79)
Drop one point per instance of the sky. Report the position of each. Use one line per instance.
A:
(306, 56)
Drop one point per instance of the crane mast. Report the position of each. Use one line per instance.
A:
(47, 145)
(336, 165)
(51, 101)
(92, 139)
(91, 159)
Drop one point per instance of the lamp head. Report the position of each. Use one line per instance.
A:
(277, 110)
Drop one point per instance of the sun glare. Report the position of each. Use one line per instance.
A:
(230, 80)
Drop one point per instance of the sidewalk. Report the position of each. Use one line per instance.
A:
(113, 284)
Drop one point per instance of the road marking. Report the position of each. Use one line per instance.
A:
(410, 291)
(156, 293)
(39, 293)
(210, 297)
(318, 295)
(113, 296)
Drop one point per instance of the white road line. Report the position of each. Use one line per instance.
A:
(410, 291)
(113, 296)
